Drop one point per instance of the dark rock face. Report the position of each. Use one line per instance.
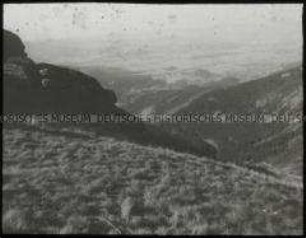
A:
(30, 87)
(12, 46)
(73, 91)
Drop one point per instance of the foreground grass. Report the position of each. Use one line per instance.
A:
(73, 183)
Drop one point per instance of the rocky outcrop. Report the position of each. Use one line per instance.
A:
(31, 87)
(70, 90)
(12, 46)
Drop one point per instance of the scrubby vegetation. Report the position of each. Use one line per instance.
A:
(78, 183)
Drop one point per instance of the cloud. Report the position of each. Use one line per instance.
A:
(229, 22)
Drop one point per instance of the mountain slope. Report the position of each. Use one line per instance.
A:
(69, 182)
(264, 94)
(31, 87)
(278, 143)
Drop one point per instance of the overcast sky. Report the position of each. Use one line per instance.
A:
(229, 22)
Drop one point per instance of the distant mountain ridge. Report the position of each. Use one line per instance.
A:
(242, 60)
(264, 94)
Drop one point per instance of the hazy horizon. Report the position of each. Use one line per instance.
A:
(230, 22)
(222, 38)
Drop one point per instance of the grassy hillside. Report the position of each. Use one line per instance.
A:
(268, 94)
(73, 182)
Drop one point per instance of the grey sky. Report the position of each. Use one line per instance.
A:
(262, 22)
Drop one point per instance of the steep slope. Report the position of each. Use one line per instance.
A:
(278, 143)
(264, 94)
(73, 182)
